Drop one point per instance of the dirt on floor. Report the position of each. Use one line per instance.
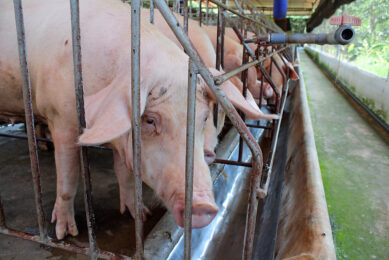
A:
(114, 232)
(354, 160)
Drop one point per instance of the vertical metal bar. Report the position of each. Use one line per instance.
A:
(27, 98)
(206, 13)
(84, 165)
(244, 75)
(190, 8)
(136, 124)
(190, 128)
(199, 12)
(2, 216)
(186, 16)
(151, 11)
(220, 39)
(251, 216)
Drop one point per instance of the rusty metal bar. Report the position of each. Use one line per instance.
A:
(47, 140)
(220, 39)
(27, 98)
(136, 124)
(79, 91)
(233, 162)
(244, 76)
(199, 12)
(206, 12)
(2, 216)
(62, 245)
(189, 160)
(252, 208)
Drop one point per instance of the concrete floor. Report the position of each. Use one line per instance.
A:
(114, 232)
(354, 160)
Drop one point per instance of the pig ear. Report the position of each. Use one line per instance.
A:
(248, 106)
(107, 115)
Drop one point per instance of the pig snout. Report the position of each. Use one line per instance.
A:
(204, 210)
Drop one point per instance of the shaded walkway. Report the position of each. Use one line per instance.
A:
(354, 161)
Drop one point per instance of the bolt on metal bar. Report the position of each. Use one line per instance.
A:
(235, 119)
(61, 245)
(79, 91)
(151, 11)
(189, 160)
(27, 98)
(136, 124)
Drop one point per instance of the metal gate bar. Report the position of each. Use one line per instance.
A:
(136, 124)
(79, 90)
(27, 99)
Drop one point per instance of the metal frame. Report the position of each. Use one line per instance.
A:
(258, 182)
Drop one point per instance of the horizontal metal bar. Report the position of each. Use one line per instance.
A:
(47, 140)
(61, 244)
(222, 161)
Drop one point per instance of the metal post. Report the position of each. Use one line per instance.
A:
(190, 8)
(186, 16)
(190, 129)
(151, 11)
(206, 13)
(79, 91)
(2, 216)
(136, 124)
(27, 98)
(199, 12)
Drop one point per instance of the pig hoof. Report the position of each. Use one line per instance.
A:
(65, 223)
(146, 212)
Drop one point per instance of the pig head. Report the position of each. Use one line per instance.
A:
(163, 138)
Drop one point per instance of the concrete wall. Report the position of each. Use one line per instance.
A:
(372, 90)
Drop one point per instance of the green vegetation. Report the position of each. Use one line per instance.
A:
(370, 48)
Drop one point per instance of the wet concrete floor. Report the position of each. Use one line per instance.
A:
(354, 160)
(114, 232)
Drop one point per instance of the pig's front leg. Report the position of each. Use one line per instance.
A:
(126, 187)
(67, 166)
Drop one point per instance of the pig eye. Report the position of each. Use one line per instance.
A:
(150, 121)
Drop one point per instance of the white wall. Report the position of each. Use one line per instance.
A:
(372, 90)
